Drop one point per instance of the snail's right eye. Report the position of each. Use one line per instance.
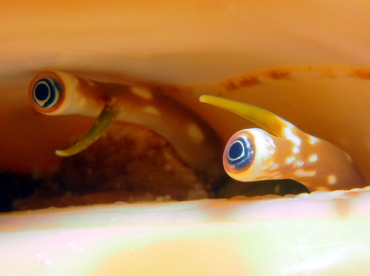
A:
(239, 152)
(46, 93)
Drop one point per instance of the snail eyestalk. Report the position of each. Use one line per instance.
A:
(195, 141)
(281, 151)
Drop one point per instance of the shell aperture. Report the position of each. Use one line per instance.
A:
(282, 151)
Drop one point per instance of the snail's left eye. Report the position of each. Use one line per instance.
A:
(239, 152)
(46, 93)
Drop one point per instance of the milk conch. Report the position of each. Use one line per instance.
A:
(188, 49)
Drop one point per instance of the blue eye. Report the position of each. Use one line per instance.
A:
(46, 93)
(240, 153)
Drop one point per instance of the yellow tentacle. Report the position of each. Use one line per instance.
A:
(102, 123)
(261, 117)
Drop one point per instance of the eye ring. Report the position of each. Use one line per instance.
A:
(239, 152)
(46, 93)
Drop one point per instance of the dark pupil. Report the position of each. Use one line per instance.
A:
(241, 153)
(236, 150)
(46, 93)
(42, 92)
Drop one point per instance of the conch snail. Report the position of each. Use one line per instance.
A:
(250, 155)
(328, 212)
(186, 43)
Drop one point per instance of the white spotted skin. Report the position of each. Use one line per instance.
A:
(314, 165)
(290, 135)
(289, 160)
(302, 173)
(332, 179)
(152, 110)
(315, 162)
(313, 158)
(312, 140)
(195, 133)
(143, 93)
(299, 164)
(274, 167)
(321, 163)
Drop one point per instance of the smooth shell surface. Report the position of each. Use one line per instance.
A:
(187, 48)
